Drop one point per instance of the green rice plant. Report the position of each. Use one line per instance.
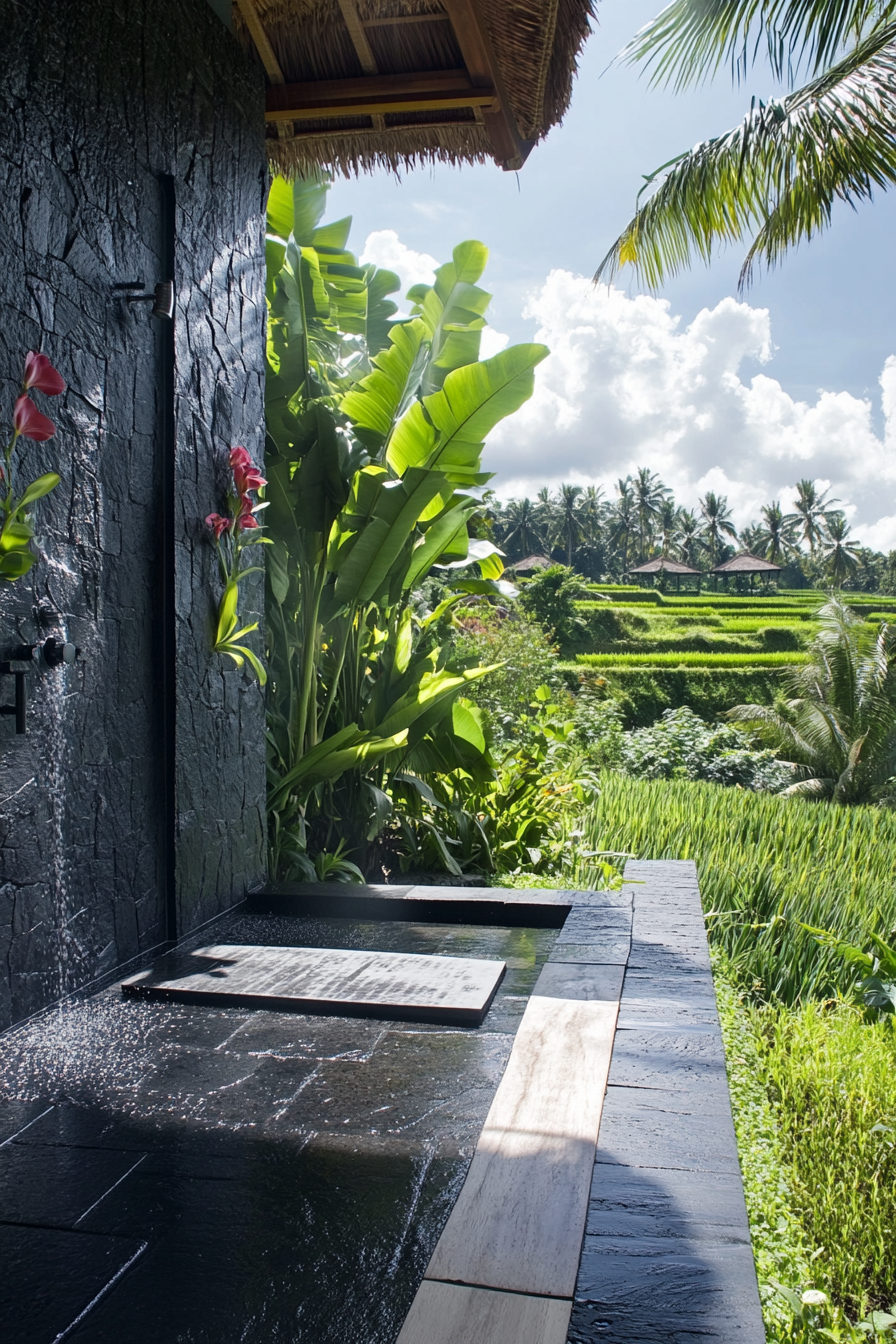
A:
(690, 659)
(831, 1077)
(693, 640)
(767, 864)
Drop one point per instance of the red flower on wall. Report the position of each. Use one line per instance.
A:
(40, 374)
(28, 421)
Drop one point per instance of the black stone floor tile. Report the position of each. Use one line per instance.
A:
(17, 1116)
(50, 1277)
(656, 1292)
(697, 1206)
(324, 1247)
(652, 1129)
(603, 952)
(55, 1186)
(668, 1059)
(300, 1036)
(569, 980)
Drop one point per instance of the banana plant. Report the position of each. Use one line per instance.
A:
(376, 426)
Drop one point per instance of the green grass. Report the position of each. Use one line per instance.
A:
(781, 1247)
(765, 864)
(832, 1078)
(693, 659)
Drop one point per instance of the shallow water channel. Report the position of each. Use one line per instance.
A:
(203, 1175)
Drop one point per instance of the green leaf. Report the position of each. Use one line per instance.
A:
(448, 430)
(16, 563)
(348, 749)
(227, 613)
(396, 511)
(15, 536)
(37, 489)
(466, 723)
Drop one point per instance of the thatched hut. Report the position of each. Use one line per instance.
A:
(663, 565)
(359, 84)
(745, 566)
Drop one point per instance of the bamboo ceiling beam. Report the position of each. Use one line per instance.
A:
(261, 40)
(263, 46)
(511, 150)
(358, 36)
(399, 19)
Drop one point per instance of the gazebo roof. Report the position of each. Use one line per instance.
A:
(746, 564)
(662, 562)
(531, 562)
(359, 84)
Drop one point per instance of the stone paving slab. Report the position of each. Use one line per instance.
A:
(336, 981)
(666, 1257)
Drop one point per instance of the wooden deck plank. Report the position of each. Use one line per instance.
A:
(451, 1313)
(519, 1220)
(326, 980)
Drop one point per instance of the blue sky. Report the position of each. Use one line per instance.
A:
(747, 396)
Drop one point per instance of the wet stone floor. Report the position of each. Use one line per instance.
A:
(199, 1175)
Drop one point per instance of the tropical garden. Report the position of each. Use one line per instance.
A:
(431, 712)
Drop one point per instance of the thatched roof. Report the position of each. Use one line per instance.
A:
(360, 84)
(746, 564)
(664, 563)
(531, 563)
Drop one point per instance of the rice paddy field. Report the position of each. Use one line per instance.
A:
(655, 651)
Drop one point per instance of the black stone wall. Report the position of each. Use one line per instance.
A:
(136, 800)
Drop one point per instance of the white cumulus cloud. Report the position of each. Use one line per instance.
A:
(628, 384)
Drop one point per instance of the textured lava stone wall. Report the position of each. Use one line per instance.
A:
(99, 101)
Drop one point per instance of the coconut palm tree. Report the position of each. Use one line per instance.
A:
(774, 535)
(717, 522)
(649, 494)
(521, 527)
(838, 726)
(667, 526)
(840, 554)
(812, 513)
(623, 519)
(690, 537)
(777, 175)
(567, 522)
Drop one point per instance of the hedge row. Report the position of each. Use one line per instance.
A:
(644, 693)
(695, 659)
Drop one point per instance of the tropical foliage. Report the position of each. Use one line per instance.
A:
(838, 726)
(375, 434)
(776, 176)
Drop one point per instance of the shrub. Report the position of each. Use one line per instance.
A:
(494, 635)
(550, 598)
(681, 746)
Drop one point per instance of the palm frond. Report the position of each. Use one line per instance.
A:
(777, 174)
(692, 39)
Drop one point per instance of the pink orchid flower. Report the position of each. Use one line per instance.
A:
(217, 524)
(246, 475)
(30, 423)
(39, 373)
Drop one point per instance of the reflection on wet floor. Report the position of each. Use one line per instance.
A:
(251, 1176)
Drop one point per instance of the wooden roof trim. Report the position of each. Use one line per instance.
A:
(397, 19)
(428, 91)
(468, 23)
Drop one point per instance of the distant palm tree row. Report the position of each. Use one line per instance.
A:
(611, 536)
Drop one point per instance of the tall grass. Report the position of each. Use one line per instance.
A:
(765, 864)
(832, 1080)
